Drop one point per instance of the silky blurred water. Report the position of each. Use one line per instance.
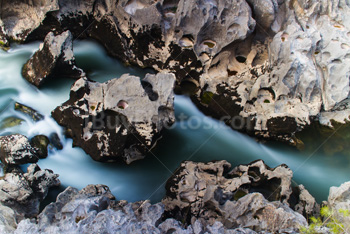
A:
(195, 137)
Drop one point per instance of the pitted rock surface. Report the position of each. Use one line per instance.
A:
(252, 195)
(119, 119)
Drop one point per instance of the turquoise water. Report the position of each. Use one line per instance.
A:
(195, 137)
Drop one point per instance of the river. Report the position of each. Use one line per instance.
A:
(194, 136)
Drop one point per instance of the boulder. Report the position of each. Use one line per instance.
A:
(16, 149)
(40, 142)
(338, 201)
(19, 18)
(119, 119)
(253, 196)
(22, 192)
(55, 58)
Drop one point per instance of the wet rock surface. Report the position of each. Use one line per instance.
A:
(120, 119)
(55, 58)
(16, 149)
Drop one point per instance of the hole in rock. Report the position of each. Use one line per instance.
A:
(232, 73)
(122, 104)
(241, 59)
(209, 43)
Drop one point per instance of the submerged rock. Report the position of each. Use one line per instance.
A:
(55, 58)
(33, 114)
(119, 119)
(16, 149)
(40, 142)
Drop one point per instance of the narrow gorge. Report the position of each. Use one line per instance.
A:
(174, 116)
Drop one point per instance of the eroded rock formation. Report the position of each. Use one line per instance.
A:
(55, 58)
(278, 65)
(119, 119)
(201, 197)
(253, 196)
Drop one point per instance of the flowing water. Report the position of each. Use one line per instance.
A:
(196, 137)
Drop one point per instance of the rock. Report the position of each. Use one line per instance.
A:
(119, 119)
(40, 142)
(54, 139)
(94, 210)
(55, 58)
(8, 222)
(22, 192)
(253, 196)
(20, 18)
(33, 114)
(338, 200)
(16, 149)
(280, 84)
(10, 122)
(271, 67)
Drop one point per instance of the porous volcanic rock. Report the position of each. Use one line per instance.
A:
(16, 149)
(253, 196)
(272, 67)
(119, 119)
(55, 58)
(22, 192)
(95, 210)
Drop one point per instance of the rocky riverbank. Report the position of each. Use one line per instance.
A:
(268, 68)
(200, 198)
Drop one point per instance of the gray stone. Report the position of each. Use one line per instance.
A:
(23, 192)
(16, 149)
(277, 65)
(119, 119)
(19, 18)
(252, 195)
(339, 199)
(55, 58)
(94, 210)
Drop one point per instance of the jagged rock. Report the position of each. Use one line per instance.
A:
(210, 192)
(119, 119)
(54, 58)
(280, 84)
(271, 66)
(16, 149)
(22, 192)
(94, 210)
(339, 199)
(19, 18)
